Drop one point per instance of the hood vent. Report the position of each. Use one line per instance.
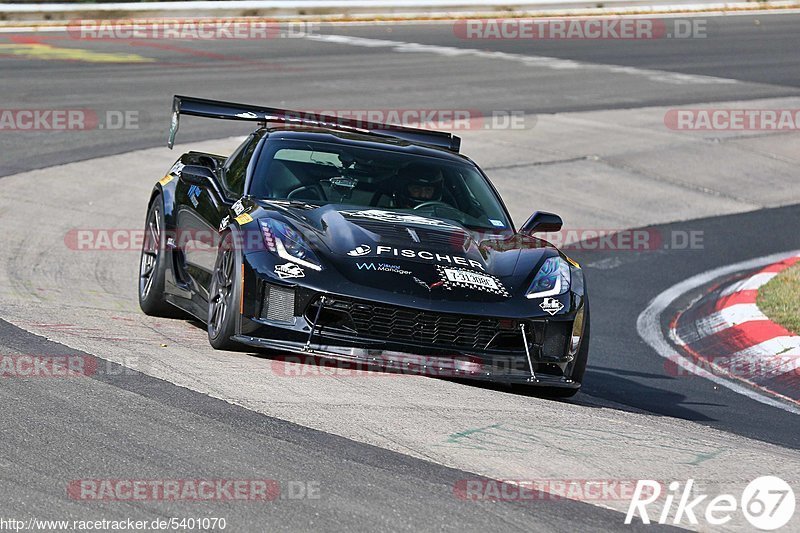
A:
(450, 239)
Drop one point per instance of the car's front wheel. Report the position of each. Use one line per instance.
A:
(579, 365)
(153, 264)
(224, 296)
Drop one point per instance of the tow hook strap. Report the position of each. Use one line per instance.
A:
(314, 325)
(527, 350)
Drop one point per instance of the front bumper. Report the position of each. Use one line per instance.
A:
(373, 335)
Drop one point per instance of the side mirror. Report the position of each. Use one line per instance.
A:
(542, 222)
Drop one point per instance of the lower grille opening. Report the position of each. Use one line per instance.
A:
(436, 330)
(330, 317)
(554, 346)
(277, 303)
(507, 341)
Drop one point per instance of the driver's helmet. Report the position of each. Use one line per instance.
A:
(418, 183)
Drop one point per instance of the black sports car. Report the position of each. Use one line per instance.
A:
(370, 243)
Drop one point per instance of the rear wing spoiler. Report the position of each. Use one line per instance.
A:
(199, 107)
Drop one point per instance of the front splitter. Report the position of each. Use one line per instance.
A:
(459, 367)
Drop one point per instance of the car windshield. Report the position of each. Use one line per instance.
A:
(322, 173)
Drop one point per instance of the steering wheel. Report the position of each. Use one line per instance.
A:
(434, 203)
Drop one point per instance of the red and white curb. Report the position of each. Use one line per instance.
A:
(736, 316)
(729, 334)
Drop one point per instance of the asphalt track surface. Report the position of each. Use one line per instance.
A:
(757, 50)
(133, 425)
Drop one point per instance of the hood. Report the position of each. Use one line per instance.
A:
(360, 242)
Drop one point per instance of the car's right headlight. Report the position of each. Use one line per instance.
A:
(552, 279)
(285, 241)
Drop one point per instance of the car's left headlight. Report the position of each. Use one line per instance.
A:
(552, 279)
(282, 239)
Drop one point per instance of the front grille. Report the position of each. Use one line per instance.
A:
(278, 303)
(401, 324)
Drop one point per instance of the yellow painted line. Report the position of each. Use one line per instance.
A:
(48, 52)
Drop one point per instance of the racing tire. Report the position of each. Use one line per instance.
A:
(224, 295)
(153, 264)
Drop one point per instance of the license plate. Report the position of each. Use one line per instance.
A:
(473, 279)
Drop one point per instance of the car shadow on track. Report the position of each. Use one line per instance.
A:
(612, 386)
(601, 388)
(311, 365)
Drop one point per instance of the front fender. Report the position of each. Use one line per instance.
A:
(165, 187)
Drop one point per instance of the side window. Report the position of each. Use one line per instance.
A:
(236, 166)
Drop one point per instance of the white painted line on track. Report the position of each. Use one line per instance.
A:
(527, 60)
(33, 29)
(648, 325)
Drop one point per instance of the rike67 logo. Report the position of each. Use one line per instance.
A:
(768, 503)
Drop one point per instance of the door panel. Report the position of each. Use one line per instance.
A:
(199, 212)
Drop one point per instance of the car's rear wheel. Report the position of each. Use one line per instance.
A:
(224, 296)
(153, 264)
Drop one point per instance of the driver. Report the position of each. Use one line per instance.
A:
(418, 183)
